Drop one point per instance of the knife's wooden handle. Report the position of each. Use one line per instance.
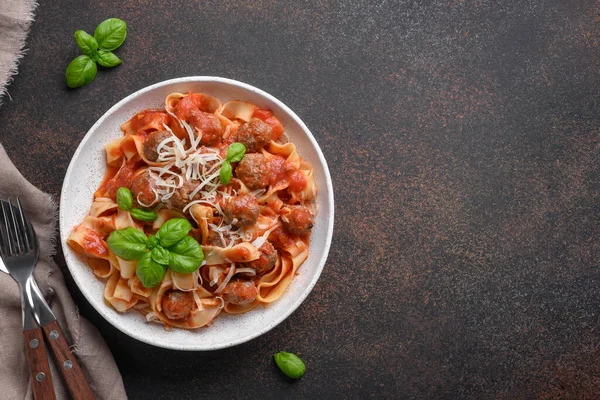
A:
(41, 380)
(66, 362)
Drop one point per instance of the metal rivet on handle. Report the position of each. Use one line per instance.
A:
(54, 334)
(33, 343)
(40, 376)
(68, 364)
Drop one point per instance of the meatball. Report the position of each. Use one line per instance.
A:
(254, 134)
(152, 141)
(209, 124)
(242, 208)
(181, 197)
(239, 292)
(297, 220)
(213, 239)
(177, 304)
(253, 170)
(266, 261)
(142, 189)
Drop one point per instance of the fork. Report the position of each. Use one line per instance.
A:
(19, 252)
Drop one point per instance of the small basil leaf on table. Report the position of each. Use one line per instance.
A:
(86, 42)
(108, 59)
(173, 231)
(225, 173)
(186, 256)
(149, 272)
(128, 243)
(160, 255)
(235, 152)
(81, 71)
(290, 364)
(143, 215)
(124, 199)
(111, 33)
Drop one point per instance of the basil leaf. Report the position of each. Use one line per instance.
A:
(186, 256)
(149, 272)
(86, 42)
(225, 173)
(111, 33)
(290, 364)
(160, 255)
(235, 152)
(81, 71)
(173, 231)
(143, 214)
(127, 243)
(108, 59)
(152, 242)
(124, 198)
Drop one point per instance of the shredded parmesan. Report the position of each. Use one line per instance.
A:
(250, 271)
(259, 241)
(197, 300)
(227, 279)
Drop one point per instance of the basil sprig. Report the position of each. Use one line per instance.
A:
(143, 214)
(149, 272)
(290, 364)
(108, 36)
(235, 153)
(171, 248)
(125, 202)
(124, 199)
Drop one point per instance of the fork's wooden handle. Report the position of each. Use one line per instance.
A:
(66, 362)
(41, 379)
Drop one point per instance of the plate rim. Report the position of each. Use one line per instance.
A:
(328, 238)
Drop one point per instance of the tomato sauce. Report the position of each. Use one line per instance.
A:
(267, 117)
(193, 101)
(298, 181)
(280, 171)
(280, 238)
(112, 182)
(150, 120)
(94, 245)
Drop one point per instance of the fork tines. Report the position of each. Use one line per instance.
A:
(15, 232)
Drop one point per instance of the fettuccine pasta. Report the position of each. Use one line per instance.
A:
(254, 230)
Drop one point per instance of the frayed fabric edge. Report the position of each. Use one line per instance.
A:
(14, 67)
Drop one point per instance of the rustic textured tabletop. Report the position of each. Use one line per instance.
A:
(462, 138)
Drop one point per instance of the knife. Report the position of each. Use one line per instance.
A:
(66, 362)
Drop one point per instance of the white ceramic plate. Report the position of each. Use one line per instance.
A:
(87, 169)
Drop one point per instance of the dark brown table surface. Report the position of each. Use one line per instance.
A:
(462, 138)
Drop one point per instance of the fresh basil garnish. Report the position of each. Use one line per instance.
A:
(108, 59)
(124, 198)
(186, 256)
(152, 242)
(86, 42)
(290, 364)
(81, 71)
(111, 34)
(173, 231)
(170, 247)
(235, 152)
(128, 243)
(149, 272)
(160, 255)
(225, 173)
(143, 214)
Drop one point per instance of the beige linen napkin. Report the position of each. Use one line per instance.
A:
(95, 357)
(15, 18)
